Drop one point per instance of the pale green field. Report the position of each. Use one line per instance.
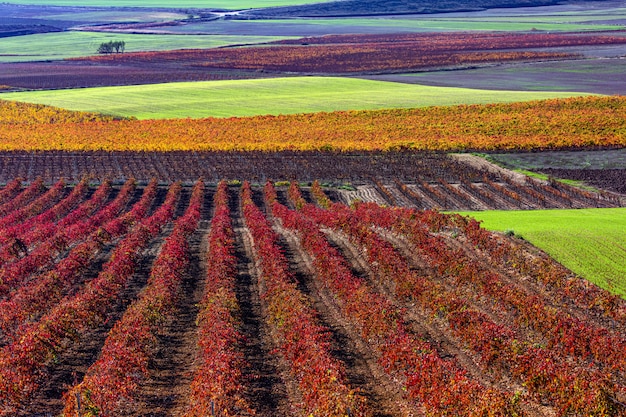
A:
(317, 27)
(62, 45)
(590, 242)
(205, 4)
(551, 18)
(512, 24)
(265, 96)
(114, 15)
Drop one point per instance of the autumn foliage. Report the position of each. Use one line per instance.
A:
(441, 385)
(548, 124)
(457, 320)
(22, 370)
(575, 384)
(218, 384)
(123, 362)
(301, 341)
(12, 113)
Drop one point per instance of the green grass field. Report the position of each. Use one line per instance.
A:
(61, 45)
(590, 242)
(205, 4)
(264, 96)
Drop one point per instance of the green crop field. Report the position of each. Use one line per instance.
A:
(205, 4)
(590, 242)
(449, 24)
(306, 27)
(62, 45)
(264, 96)
(543, 19)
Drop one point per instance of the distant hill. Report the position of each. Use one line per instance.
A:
(389, 7)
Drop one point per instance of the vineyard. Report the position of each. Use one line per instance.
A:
(372, 53)
(571, 123)
(298, 255)
(200, 300)
(407, 179)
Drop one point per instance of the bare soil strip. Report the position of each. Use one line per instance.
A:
(398, 195)
(267, 394)
(424, 199)
(483, 202)
(283, 197)
(165, 393)
(70, 366)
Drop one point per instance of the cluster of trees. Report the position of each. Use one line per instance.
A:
(112, 47)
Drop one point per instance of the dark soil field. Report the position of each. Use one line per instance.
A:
(592, 159)
(32, 16)
(21, 30)
(71, 74)
(407, 179)
(592, 75)
(608, 179)
(393, 7)
(604, 169)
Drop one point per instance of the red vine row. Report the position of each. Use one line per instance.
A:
(123, 362)
(302, 342)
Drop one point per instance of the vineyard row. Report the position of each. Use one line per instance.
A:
(383, 53)
(419, 180)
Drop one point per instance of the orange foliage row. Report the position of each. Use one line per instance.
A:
(329, 59)
(12, 113)
(547, 124)
(342, 59)
(461, 41)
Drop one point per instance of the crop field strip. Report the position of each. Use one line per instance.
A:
(397, 52)
(74, 44)
(217, 4)
(342, 54)
(601, 75)
(433, 16)
(280, 95)
(416, 23)
(250, 260)
(298, 27)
